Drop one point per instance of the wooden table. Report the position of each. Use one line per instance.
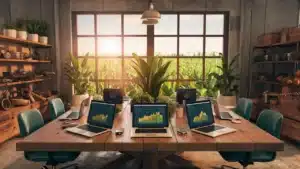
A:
(150, 150)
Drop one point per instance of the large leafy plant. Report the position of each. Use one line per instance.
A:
(205, 87)
(78, 74)
(226, 79)
(150, 74)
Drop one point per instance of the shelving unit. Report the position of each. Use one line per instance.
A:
(8, 118)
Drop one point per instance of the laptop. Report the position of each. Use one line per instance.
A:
(224, 115)
(150, 120)
(201, 119)
(187, 95)
(113, 96)
(100, 120)
(75, 115)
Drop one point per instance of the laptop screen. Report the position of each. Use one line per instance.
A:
(113, 96)
(150, 115)
(200, 114)
(189, 95)
(101, 114)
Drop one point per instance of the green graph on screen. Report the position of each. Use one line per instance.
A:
(100, 118)
(201, 117)
(155, 118)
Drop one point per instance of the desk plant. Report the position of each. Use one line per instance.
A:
(33, 27)
(79, 76)
(21, 28)
(226, 82)
(9, 30)
(43, 32)
(150, 76)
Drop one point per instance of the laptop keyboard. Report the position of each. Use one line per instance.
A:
(151, 131)
(92, 128)
(209, 129)
(73, 115)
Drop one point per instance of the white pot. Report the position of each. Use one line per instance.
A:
(228, 101)
(10, 33)
(43, 40)
(22, 35)
(77, 99)
(33, 37)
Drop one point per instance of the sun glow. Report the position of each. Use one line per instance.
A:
(109, 46)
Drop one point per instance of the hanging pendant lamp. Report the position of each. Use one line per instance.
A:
(150, 16)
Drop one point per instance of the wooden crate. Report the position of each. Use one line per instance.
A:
(269, 39)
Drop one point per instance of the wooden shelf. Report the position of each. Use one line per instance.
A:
(25, 61)
(23, 42)
(21, 82)
(274, 62)
(277, 45)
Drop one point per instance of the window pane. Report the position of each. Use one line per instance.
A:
(191, 24)
(167, 25)
(165, 46)
(109, 24)
(214, 46)
(172, 71)
(110, 68)
(191, 46)
(215, 24)
(85, 25)
(128, 70)
(86, 45)
(109, 46)
(211, 65)
(136, 45)
(91, 64)
(133, 25)
(189, 66)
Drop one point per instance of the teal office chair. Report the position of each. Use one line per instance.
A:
(32, 120)
(271, 122)
(56, 107)
(244, 108)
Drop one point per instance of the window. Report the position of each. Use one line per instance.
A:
(192, 41)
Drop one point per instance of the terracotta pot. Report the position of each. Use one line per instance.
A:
(22, 35)
(33, 37)
(43, 40)
(229, 101)
(10, 33)
(77, 99)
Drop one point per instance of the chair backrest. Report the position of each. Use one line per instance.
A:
(56, 108)
(30, 121)
(244, 108)
(271, 122)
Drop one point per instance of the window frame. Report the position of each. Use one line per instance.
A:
(150, 36)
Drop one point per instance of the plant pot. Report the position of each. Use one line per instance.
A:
(33, 37)
(43, 40)
(22, 35)
(229, 101)
(77, 99)
(10, 33)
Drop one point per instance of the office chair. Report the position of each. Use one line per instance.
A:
(32, 120)
(56, 108)
(244, 108)
(271, 122)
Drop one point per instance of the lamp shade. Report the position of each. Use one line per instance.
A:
(150, 21)
(151, 14)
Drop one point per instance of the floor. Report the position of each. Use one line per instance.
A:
(288, 159)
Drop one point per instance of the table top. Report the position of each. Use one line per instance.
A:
(248, 137)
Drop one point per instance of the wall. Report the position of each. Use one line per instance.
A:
(10, 10)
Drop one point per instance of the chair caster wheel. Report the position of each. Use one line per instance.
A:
(44, 167)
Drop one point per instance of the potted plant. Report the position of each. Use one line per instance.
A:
(21, 28)
(78, 74)
(33, 27)
(43, 32)
(9, 30)
(226, 82)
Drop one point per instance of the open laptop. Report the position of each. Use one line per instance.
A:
(75, 115)
(187, 95)
(100, 120)
(150, 120)
(201, 119)
(114, 96)
(224, 115)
